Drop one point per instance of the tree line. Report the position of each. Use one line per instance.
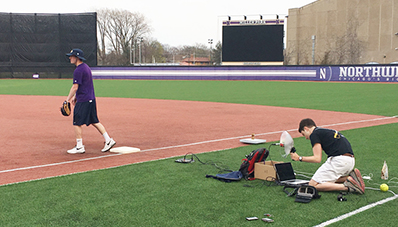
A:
(124, 39)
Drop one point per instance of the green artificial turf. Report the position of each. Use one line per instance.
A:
(369, 98)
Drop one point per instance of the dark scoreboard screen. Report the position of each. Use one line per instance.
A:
(252, 43)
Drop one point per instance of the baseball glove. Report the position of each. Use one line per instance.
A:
(65, 108)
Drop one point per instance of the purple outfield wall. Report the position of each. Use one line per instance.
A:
(355, 73)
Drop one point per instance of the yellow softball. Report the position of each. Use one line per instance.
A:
(384, 187)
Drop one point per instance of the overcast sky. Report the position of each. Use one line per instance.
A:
(173, 22)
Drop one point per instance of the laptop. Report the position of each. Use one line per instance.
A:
(286, 176)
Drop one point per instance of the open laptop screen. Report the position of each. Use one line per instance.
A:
(285, 171)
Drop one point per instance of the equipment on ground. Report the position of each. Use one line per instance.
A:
(384, 171)
(384, 187)
(253, 140)
(306, 193)
(247, 166)
(286, 176)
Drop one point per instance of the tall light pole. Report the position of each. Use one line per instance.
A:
(132, 51)
(139, 39)
(210, 42)
(313, 49)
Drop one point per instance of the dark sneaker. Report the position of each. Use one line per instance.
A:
(353, 186)
(108, 145)
(356, 174)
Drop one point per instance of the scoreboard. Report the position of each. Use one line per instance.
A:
(252, 42)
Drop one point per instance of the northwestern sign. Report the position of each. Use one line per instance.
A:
(365, 73)
(379, 73)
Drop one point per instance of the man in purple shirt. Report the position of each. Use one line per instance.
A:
(82, 96)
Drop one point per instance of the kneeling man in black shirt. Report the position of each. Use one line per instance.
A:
(338, 172)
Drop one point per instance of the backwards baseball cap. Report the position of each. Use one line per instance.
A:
(78, 53)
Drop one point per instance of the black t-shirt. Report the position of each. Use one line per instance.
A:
(332, 141)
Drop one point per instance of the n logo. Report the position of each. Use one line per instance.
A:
(322, 73)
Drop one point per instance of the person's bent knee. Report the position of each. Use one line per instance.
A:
(313, 183)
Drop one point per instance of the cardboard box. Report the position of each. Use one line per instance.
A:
(265, 170)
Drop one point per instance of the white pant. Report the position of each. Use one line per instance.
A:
(334, 168)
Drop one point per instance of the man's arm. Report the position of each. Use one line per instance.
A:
(315, 158)
(72, 94)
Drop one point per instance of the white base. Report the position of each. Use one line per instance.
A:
(252, 141)
(125, 150)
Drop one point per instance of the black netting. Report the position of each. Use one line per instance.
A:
(38, 42)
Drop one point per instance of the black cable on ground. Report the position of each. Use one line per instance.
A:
(215, 164)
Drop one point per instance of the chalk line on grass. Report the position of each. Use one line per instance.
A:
(359, 210)
(184, 145)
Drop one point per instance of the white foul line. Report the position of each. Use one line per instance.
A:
(55, 164)
(183, 145)
(344, 216)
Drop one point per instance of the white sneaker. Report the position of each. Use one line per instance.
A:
(76, 150)
(108, 145)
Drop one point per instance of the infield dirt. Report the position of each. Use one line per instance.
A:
(35, 136)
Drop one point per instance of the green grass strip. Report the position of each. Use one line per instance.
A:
(369, 98)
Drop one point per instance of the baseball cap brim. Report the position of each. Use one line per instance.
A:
(81, 58)
(75, 53)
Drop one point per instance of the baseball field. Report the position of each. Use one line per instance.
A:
(42, 185)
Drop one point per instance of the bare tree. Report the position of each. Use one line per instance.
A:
(175, 54)
(217, 53)
(171, 54)
(288, 55)
(123, 38)
(198, 50)
(348, 47)
(153, 52)
(117, 29)
(101, 25)
(303, 52)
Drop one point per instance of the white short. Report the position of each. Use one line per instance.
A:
(334, 168)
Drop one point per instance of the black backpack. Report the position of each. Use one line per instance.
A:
(247, 166)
